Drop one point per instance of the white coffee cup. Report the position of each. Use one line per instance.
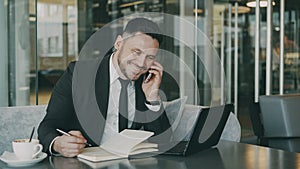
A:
(26, 150)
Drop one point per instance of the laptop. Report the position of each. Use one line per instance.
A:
(206, 132)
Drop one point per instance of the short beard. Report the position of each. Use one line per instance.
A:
(121, 67)
(123, 71)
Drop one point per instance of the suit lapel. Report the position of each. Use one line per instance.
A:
(102, 88)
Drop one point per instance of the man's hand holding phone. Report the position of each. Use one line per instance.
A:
(152, 81)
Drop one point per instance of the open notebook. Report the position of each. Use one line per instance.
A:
(128, 142)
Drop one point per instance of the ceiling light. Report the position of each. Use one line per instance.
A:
(241, 9)
(199, 11)
(262, 3)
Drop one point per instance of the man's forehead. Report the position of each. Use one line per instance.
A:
(142, 40)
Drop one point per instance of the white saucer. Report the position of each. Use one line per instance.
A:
(12, 160)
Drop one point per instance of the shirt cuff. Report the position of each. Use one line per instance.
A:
(154, 108)
(50, 147)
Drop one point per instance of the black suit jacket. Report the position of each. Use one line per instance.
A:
(61, 112)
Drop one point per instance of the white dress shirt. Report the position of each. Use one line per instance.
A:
(112, 118)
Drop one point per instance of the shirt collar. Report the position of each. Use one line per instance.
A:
(113, 72)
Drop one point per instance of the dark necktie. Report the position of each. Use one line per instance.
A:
(123, 105)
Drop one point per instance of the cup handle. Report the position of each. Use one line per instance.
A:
(38, 148)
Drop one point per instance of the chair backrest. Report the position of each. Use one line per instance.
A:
(280, 115)
(255, 116)
(231, 132)
(17, 122)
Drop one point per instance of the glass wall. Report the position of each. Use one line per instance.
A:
(56, 42)
(17, 59)
(41, 37)
(4, 54)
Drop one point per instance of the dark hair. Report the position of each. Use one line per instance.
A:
(145, 26)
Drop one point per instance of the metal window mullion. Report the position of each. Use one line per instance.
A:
(11, 53)
(222, 60)
(257, 49)
(36, 57)
(269, 49)
(236, 59)
(228, 59)
(281, 76)
(181, 50)
(196, 53)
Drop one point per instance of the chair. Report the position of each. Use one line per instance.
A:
(17, 122)
(257, 125)
(280, 116)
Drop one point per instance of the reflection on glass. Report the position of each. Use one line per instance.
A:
(116, 164)
(57, 42)
(66, 163)
(78, 163)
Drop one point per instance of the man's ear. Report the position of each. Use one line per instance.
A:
(118, 42)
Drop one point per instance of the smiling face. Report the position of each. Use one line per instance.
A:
(135, 55)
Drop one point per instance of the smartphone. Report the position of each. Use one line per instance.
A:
(148, 77)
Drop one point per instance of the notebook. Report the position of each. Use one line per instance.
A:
(206, 132)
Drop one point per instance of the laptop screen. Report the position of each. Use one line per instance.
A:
(205, 132)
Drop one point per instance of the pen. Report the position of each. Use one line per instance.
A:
(68, 134)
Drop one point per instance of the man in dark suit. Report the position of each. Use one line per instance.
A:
(134, 56)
